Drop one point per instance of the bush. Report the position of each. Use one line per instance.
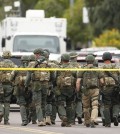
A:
(108, 38)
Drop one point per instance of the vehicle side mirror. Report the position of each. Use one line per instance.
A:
(3, 42)
(9, 37)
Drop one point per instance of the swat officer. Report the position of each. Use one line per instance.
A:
(65, 91)
(78, 103)
(18, 77)
(1, 97)
(110, 94)
(40, 80)
(6, 85)
(51, 108)
(90, 91)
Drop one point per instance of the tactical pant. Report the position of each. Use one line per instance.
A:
(7, 98)
(51, 108)
(49, 100)
(1, 111)
(31, 112)
(78, 109)
(37, 99)
(116, 110)
(23, 109)
(102, 111)
(90, 105)
(54, 111)
(66, 101)
(1, 107)
(44, 100)
(107, 101)
(115, 103)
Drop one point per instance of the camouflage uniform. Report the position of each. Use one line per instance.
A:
(51, 100)
(90, 89)
(6, 84)
(65, 92)
(31, 112)
(18, 77)
(1, 96)
(110, 96)
(78, 102)
(40, 80)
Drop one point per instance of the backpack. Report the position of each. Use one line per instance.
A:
(41, 75)
(20, 78)
(109, 81)
(65, 78)
(6, 75)
(90, 79)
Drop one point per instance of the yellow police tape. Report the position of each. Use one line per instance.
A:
(57, 69)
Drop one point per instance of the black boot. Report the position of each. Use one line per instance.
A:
(80, 120)
(115, 120)
(103, 122)
(92, 124)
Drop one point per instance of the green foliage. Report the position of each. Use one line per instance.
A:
(109, 38)
(104, 14)
(52, 7)
(77, 31)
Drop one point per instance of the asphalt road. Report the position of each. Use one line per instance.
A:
(16, 128)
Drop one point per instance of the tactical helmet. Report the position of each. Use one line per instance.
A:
(25, 58)
(107, 56)
(65, 57)
(91, 54)
(38, 51)
(73, 55)
(90, 58)
(6, 54)
(95, 63)
(32, 57)
(46, 50)
(45, 54)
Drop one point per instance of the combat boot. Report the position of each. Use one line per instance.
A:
(68, 125)
(115, 120)
(103, 122)
(41, 123)
(80, 120)
(24, 123)
(6, 123)
(48, 120)
(96, 123)
(64, 121)
(53, 122)
(1, 116)
(92, 124)
(107, 125)
(34, 122)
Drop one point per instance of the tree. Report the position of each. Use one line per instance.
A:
(52, 7)
(77, 31)
(27, 4)
(104, 14)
